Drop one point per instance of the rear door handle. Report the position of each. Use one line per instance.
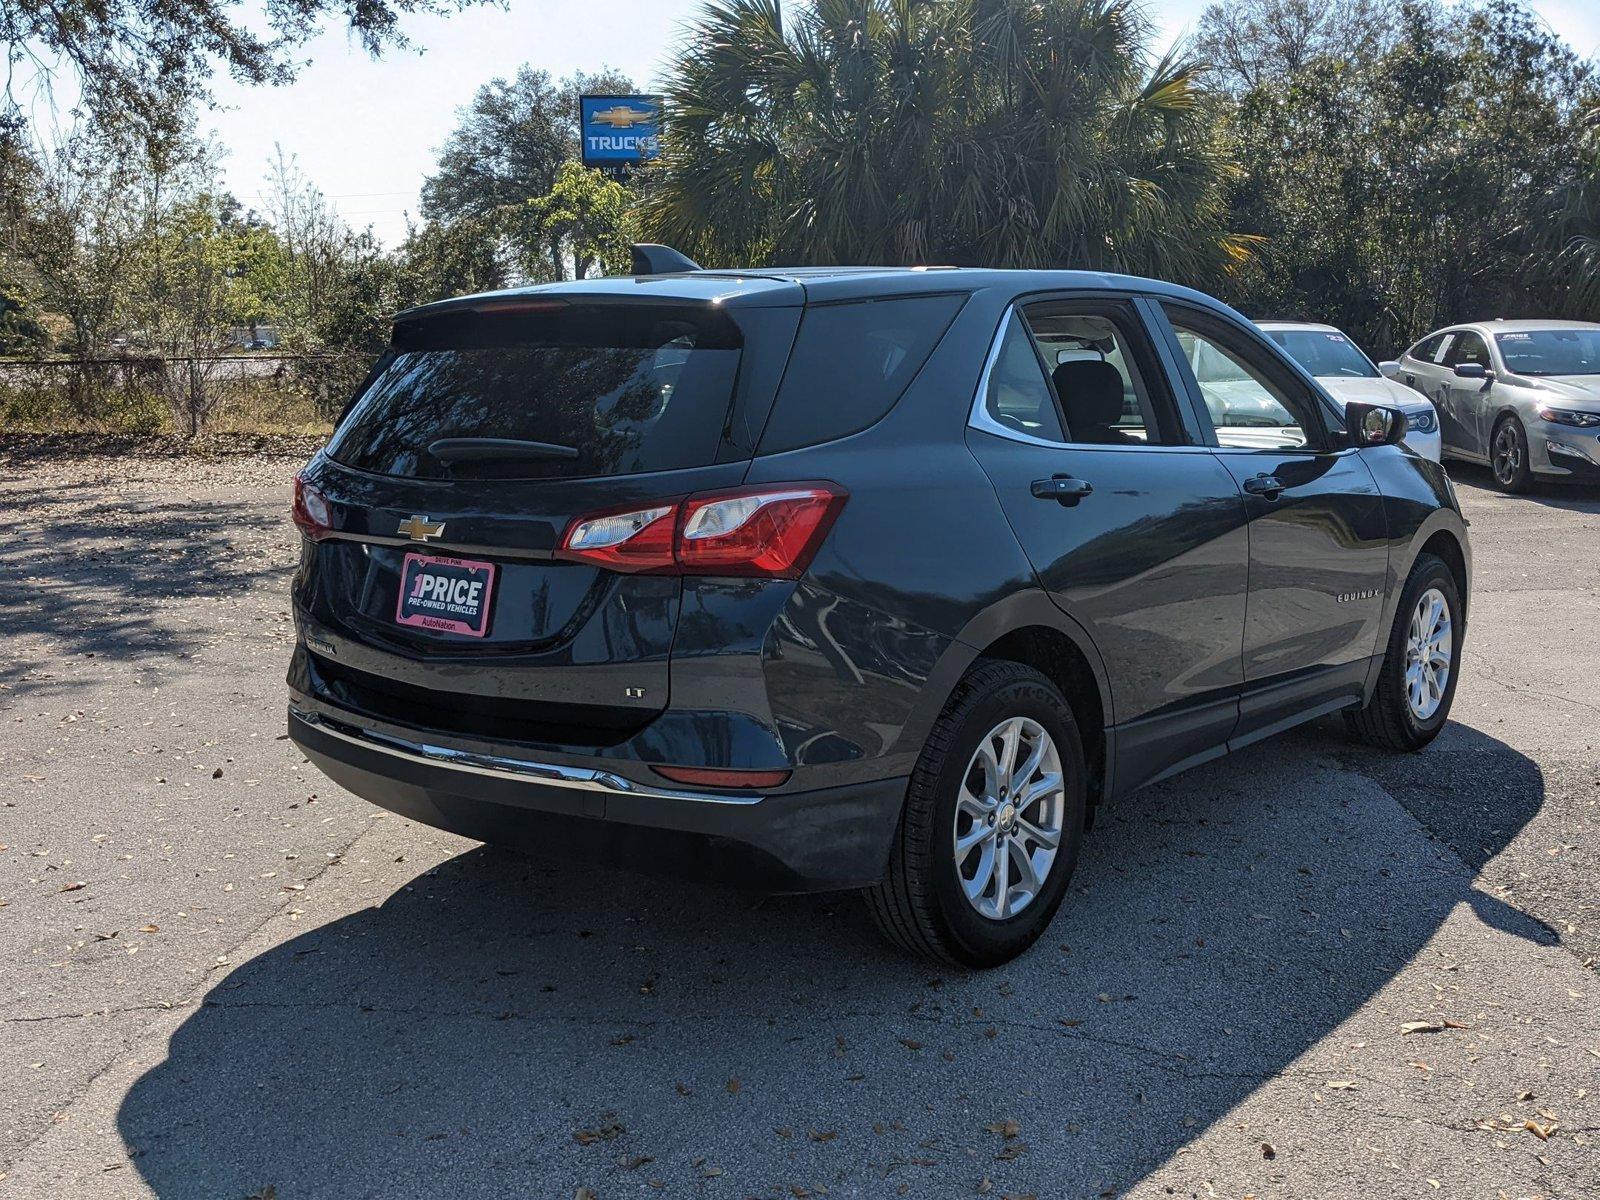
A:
(1063, 489)
(1266, 486)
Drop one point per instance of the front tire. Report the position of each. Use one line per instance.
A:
(992, 826)
(1421, 663)
(1508, 456)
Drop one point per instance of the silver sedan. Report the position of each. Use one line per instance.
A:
(1521, 397)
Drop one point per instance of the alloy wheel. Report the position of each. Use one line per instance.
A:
(1428, 654)
(1507, 454)
(1008, 820)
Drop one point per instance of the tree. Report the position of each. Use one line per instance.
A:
(510, 143)
(335, 280)
(1395, 194)
(440, 259)
(1563, 235)
(585, 216)
(1250, 43)
(21, 333)
(147, 62)
(78, 233)
(992, 132)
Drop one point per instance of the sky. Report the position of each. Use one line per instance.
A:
(366, 132)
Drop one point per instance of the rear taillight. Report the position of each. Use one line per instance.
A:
(634, 539)
(311, 511)
(767, 532)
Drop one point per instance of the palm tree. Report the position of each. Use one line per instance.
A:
(1565, 231)
(992, 132)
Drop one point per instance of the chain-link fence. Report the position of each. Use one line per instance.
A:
(139, 393)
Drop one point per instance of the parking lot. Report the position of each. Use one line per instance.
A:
(1308, 970)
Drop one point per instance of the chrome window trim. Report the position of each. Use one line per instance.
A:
(980, 419)
(524, 770)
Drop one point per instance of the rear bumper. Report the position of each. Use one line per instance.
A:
(793, 841)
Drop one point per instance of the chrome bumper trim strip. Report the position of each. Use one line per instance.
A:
(524, 770)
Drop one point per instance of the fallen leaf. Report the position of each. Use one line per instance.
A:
(1341, 1085)
(1422, 1027)
(823, 1135)
(606, 1132)
(1268, 1151)
(149, 929)
(1008, 1153)
(1542, 1132)
(1007, 1129)
(910, 1044)
(72, 887)
(733, 1086)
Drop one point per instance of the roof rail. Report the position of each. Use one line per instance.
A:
(651, 259)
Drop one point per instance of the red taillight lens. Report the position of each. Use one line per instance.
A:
(768, 532)
(772, 532)
(311, 510)
(630, 539)
(718, 777)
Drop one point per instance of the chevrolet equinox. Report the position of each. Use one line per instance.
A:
(872, 578)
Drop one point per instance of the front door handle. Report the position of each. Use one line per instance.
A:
(1266, 486)
(1063, 489)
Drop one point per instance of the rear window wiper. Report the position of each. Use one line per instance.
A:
(485, 449)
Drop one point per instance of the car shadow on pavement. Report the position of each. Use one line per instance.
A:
(508, 1026)
(103, 580)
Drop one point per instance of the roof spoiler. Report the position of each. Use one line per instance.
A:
(651, 259)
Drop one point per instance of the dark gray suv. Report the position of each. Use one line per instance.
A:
(852, 577)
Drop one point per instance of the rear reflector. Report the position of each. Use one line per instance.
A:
(311, 512)
(715, 777)
(766, 532)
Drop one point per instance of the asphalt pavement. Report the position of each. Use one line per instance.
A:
(1308, 970)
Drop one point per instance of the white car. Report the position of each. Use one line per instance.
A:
(1348, 374)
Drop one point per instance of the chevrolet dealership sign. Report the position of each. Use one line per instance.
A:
(619, 132)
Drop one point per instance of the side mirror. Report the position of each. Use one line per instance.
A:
(1389, 369)
(1472, 371)
(1374, 424)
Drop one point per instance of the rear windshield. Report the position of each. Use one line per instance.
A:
(549, 389)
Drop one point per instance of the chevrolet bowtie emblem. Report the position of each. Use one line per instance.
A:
(620, 116)
(420, 529)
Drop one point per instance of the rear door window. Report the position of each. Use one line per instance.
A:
(1095, 370)
(549, 389)
(851, 362)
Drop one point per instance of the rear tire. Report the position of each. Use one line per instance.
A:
(1508, 456)
(962, 815)
(1406, 710)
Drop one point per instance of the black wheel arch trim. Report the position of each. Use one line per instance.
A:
(1019, 610)
(1403, 560)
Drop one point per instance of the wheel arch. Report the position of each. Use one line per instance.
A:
(1029, 628)
(1445, 545)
